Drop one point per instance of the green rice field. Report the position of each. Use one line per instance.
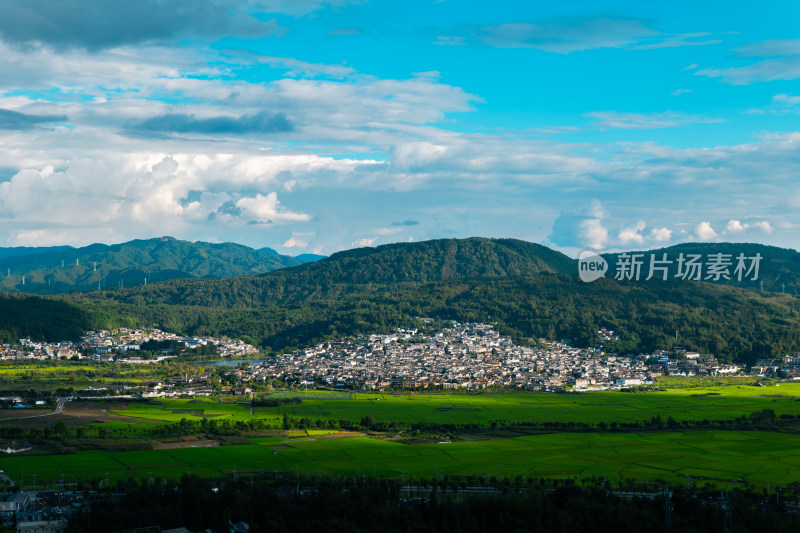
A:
(711, 403)
(174, 409)
(707, 456)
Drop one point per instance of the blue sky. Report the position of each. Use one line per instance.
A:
(316, 126)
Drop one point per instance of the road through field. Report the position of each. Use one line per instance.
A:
(59, 408)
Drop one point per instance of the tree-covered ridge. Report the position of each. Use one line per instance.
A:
(444, 260)
(36, 318)
(360, 270)
(64, 269)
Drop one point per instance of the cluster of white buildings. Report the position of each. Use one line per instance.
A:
(468, 356)
(119, 343)
(474, 356)
(786, 367)
(121, 346)
(27, 349)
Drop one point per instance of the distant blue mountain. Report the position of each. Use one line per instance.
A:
(61, 269)
(28, 250)
(309, 258)
(303, 258)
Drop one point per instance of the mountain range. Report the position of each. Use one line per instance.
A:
(61, 269)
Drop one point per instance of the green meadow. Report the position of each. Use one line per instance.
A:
(46, 375)
(174, 409)
(600, 406)
(42, 370)
(711, 403)
(707, 456)
(759, 457)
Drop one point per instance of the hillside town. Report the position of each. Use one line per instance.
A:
(458, 356)
(475, 356)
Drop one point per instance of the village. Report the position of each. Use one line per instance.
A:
(474, 356)
(469, 356)
(122, 346)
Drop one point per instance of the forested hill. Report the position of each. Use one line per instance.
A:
(445, 260)
(359, 270)
(37, 318)
(64, 269)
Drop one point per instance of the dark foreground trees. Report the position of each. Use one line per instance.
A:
(281, 502)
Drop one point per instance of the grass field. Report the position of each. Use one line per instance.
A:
(759, 457)
(607, 406)
(707, 456)
(712, 403)
(740, 389)
(50, 375)
(35, 371)
(173, 409)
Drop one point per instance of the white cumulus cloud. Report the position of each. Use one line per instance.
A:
(631, 235)
(660, 234)
(266, 209)
(293, 242)
(365, 242)
(704, 232)
(734, 227)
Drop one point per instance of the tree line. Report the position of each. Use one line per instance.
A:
(337, 503)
